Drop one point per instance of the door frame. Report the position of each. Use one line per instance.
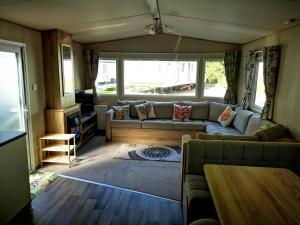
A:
(27, 114)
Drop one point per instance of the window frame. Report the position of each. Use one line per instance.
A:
(204, 60)
(117, 78)
(253, 106)
(157, 95)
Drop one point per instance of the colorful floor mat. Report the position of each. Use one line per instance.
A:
(39, 181)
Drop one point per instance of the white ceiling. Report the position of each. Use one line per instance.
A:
(234, 21)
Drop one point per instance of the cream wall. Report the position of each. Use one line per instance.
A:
(34, 56)
(287, 107)
(187, 48)
(14, 188)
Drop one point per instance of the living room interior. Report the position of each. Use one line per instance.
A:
(149, 112)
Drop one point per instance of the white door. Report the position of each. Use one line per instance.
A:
(14, 114)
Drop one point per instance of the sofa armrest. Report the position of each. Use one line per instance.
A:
(248, 153)
(109, 116)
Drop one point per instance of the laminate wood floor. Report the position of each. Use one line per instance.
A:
(68, 201)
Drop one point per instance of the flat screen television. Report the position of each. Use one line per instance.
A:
(86, 98)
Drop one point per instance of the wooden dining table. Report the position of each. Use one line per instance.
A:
(245, 195)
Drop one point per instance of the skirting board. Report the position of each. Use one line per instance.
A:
(150, 136)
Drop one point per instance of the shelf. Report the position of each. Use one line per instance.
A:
(59, 159)
(58, 137)
(88, 138)
(87, 128)
(58, 148)
(86, 118)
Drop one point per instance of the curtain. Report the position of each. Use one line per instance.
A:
(91, 64)
(271, 59)
(231, 62)
(249, 78)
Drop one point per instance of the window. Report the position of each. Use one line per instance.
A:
(12, 104)
(106, 82)
(259, 96)
(153, 77)
(215, 84)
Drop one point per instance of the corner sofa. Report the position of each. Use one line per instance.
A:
(203, 118)
(197, 200)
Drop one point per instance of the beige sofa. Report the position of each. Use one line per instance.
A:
(197, 200)
(203, 117)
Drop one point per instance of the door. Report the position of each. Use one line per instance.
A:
(14, 114)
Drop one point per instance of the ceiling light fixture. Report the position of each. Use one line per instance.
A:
(290, 21)
(154, 28)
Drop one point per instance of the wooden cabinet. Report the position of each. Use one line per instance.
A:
(56, 119)
(52, 41)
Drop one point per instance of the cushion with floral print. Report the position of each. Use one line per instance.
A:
(182, 113)
(145, 111)
(227, 116)
(121, 112)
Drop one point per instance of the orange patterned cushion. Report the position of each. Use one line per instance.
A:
(227, 116)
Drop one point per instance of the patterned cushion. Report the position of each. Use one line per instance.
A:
(132, 109)
(121, 112)
(219, 129)
(145, 111)
(181, 113)
(227, 116)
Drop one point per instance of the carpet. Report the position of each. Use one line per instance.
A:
(148, 152)
(95, 163)
(39, 181)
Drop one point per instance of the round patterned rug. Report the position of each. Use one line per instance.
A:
(149, 152)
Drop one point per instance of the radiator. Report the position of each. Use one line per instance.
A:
(100, 110)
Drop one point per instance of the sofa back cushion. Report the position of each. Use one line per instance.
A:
(132, 110)
(164, 110)
(199, 110)
(255, 122)
(241, 119)
(215, 110)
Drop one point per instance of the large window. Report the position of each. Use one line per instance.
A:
(215, 84)
(259, 96)
(106, 82)
(152, 77)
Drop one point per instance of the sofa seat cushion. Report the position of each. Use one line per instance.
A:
(219, 129)
(241, 119)
(157, 124)
(126, 123)
(190, 125)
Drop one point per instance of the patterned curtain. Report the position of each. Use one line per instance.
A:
(91, 63)
(232, 61)
(271, 59)
(249, 78)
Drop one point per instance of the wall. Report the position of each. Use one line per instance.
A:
(32, 39)
(287, 107)
(159, 44)
(14, 188)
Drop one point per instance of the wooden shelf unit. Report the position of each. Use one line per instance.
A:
(88, 127)
(50, 146)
